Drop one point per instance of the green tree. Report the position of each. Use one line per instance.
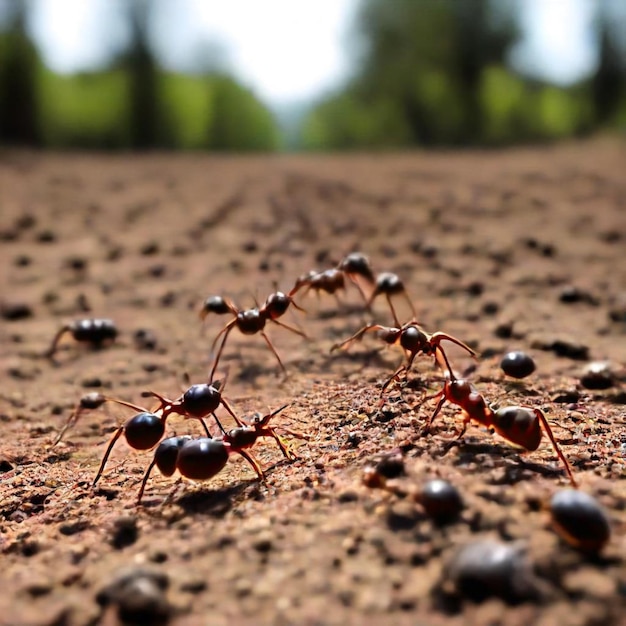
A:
(19, 62)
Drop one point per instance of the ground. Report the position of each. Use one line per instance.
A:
(515, 249)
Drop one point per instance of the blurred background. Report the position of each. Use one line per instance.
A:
(270, 75)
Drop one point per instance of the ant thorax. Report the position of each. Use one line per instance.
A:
(250, 321)
(277, 304)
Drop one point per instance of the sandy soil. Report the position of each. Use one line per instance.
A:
(520, 249)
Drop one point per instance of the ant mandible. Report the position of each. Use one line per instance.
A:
(204, 458)
(413, 339)
(144, 430)
(93, 331)
(250, 321)
(518, 424)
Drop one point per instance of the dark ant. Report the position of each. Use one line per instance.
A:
(389, 284)
(204, 458)
(518, 424)
(353, 266)
(88, 402)
(144, 430)
(93, 331)
(413, 339)
(250, 321)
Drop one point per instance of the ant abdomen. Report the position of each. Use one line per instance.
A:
(201, 459)
(200, 400)
(144, 430)
(214, 304)
(95, 331)
(520, 426)
(166, 455)
(242, 437)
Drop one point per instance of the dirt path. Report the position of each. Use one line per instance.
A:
(521, 249)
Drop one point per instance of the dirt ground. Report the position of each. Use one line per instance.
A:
(517, 249)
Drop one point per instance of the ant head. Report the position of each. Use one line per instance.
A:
(519, 425)
(144, 430)
(459, 391)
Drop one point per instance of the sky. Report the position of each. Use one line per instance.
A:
(285, 50)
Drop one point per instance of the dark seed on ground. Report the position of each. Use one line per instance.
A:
(441, 500)
(517, 364)
(488, 568)
(597, 375)
(15, 311)
(125, 532)
(580, 520)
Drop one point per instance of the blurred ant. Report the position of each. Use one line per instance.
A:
(353, 266)
(145, 429)
(518, 424)
(389, 284)
(414, 340)
(250, 321)
(204, 458)
(96, 332)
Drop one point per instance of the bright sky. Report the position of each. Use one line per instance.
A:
(286, 50)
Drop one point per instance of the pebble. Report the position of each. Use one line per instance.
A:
(441, 500)
(139, 595)
(125, 532)
(489, 568)
(15, 311)
(597, 375)
(517, 364)
(580, 520)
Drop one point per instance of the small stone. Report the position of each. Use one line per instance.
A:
(15, 311)
(263, 543)
(489, 568)
(517, 364)
(441, 500)
(144, 339)
(403, 515)
(139, 595)
(125, 532)
(597, 375)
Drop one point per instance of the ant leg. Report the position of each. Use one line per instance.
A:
(555, 445)
(411, 305)
(357, 336)
(437, 338)
(166, 403)
(440, 353)
(231, 412)
(440, 404)
(368, 301)
(291, 328)
(271, 347)
(144, 481)
(116, 436)
(49, 353)
(226, 330)
(252, 462)
(396, 321)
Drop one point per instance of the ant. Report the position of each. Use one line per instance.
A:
(251, 321)
(204, 458)
(145, 429)
(518, 424)
(93, 331)
(390, 284)
(414, 340)
(352, 266)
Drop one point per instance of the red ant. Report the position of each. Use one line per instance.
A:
(145, 429)
(250, 321)
(96, 332)
(413, 339)
(204, 458)
(518, 424)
